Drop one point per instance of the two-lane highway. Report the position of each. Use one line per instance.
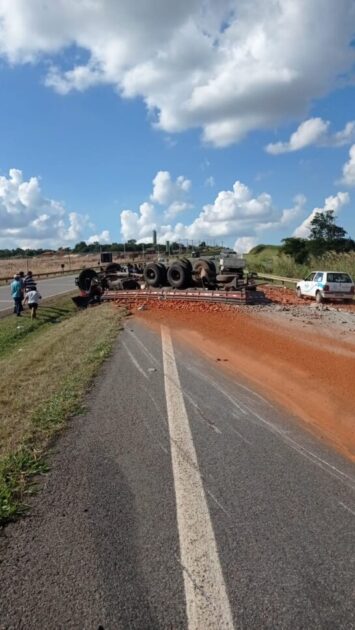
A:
(48, 288)
(183, 499)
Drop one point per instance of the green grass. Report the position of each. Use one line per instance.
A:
(15, 329)
(268, 259)
(262, 258)
(44, 388)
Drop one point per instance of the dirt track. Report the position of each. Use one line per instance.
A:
(307, 364)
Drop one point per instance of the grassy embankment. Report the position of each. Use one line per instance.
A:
(267, 259)
(46, 367)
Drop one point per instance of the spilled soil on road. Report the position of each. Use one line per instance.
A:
(308, 373)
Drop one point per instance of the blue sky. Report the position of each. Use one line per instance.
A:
(108, 135)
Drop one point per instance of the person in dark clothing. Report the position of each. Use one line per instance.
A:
(29, 283)
(95, 292)
(22, 280)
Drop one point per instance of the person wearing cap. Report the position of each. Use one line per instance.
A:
(16, 294)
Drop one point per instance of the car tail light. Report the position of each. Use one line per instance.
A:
(326, 287)
(352, 290)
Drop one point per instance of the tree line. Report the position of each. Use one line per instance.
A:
(324, 236)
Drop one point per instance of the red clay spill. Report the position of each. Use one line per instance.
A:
(286, 296)
(309, 374)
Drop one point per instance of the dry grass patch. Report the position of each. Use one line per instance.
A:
(43, 380)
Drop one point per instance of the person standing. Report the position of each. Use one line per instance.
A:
(32, 298)
(29, 283)
(16, 294)
(22, 280)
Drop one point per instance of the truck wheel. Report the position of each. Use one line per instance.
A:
(298, 292)
(153, 275)
(85, 277)
(207, 265)
(179, 277)
(162, 274)
(319, 298)
(186, 263)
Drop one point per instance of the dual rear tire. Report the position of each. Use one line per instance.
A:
(155, 275)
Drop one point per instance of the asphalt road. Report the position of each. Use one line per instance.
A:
(182, 499)
(47, 288)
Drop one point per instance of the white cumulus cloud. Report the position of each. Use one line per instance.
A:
(102, 238)
(228, 67)
(166, 191)
(314, 131)
(234, 214)
(244, 244)
(139, 225)
(349, 169)
(29, 219)
(334, 202)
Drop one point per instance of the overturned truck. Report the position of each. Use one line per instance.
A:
(225, 272)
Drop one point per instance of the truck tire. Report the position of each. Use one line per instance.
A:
(207, 265)
(85, 277)
(163, 273)
(298, 292)
(179, 276)
(153, 275)
(319, 298)
(186, 262)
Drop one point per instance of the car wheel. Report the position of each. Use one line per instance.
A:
(319, 298)
(299, 292)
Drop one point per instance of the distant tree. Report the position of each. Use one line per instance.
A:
(297, 248)
(80, 248)
(325, 235)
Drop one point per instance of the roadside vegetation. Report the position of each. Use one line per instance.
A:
(328, 247)
(46, 367)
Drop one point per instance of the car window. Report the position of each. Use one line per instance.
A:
(310, 277)
(338, 277)
(319, 277)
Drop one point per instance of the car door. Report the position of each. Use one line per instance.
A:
(307, 284)
(318, 283)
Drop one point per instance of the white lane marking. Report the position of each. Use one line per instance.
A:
(134, 361)
(207, 604)
(346, 507)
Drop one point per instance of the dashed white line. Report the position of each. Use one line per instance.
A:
(207, 604)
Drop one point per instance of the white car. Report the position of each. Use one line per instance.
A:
(331, 285)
